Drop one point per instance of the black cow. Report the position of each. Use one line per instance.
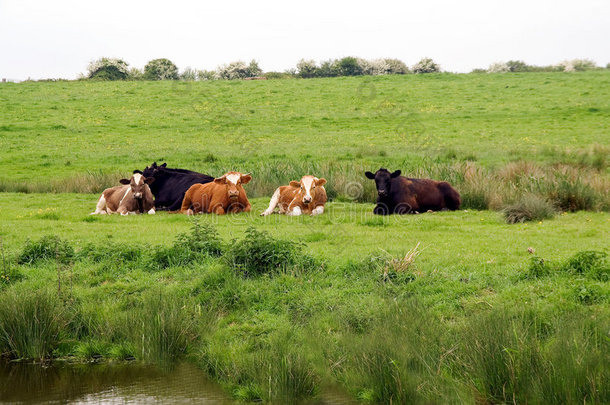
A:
(171, 184)
(401, 195)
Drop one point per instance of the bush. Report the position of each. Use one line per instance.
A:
(307, 69)
(518, 66)
(328, 69)
(160, 69)
(498, 67)
(389, 67)
(108, 69)
(576, 65)
(135, 74)
(530, 207)
(49, 247)
(573, 196)
(203, 238)
(238, 70)
(426, 65)
(189, 75)
(206, 75)
(260, 253)
(348, 66)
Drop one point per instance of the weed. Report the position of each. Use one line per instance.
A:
(50, 247)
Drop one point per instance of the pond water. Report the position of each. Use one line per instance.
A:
(65, 383)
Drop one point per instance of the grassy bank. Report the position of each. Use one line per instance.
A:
(474, 317)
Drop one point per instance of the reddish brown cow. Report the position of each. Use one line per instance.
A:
(223, 195)
(305, 197)
(133, 197)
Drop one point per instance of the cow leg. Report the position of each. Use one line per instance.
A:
(318, 210)
(295, 212)
(273, 203)
(100, 208)
(219, 210)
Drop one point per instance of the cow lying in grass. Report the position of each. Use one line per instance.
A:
(171, 184)
(401, 195)
(305, 197)
(133, 197)
(223, 195)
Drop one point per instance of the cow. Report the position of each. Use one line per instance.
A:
(132, 197)
(171, 184)
(401, 195)
(222, 196)
(307, 196)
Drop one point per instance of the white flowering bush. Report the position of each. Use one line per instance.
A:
(498, 67)
(307, 68)
(108, 69)
(161, 69)
(206, 75)
(188, 74)
(387, 67)
(576, 65)
(426, 65)
(238, 70)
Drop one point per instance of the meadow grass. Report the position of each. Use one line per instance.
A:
(449, 307)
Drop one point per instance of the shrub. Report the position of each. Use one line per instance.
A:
(389, 66)
(108, 69)
(328, 68)
(498, 67)
(307, 68)
(206, 75)
(135, 74)
(203, 238)
(30, 323)
(530, 207)
(238, 70)
(189, 75)
(260, 253)
(426, 65)
(160, 69)
(577, 65)
(348, 66)
(573, 195)
(518, 66)
(49, 247)
(278, 75)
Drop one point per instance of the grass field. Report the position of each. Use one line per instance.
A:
(469, 317)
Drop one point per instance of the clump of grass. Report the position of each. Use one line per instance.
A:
(163, 328)
(115, 252)
(203, 238)
(49, 247)
(591, 263)
(30, 323)
(260, 253)
(399, 267)
(530, 207)
(91, 350)
(573, 195)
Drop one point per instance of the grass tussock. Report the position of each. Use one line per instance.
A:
(259, 253)
(49, 247)
(590, 264)
(31, 323)
(530, 207)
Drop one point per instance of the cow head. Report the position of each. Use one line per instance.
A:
(151, 170)
(138, 183)
(233, 181)
(383, 180)
(308, 186)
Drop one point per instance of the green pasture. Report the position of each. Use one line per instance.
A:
(471, 316)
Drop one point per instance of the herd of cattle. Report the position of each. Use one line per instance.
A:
(158, 187)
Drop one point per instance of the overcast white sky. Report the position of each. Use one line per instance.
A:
(58, 38)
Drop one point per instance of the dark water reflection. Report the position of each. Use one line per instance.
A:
(63, 383)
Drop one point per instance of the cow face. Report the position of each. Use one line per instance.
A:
(383, 180)
(151, 170)
(308, 185)
(233, 181)
(138, 184)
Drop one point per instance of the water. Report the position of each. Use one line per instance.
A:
(133, 383)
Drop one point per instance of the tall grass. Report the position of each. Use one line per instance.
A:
(569, 187)
(30, 323)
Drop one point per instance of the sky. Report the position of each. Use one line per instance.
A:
(58, 39)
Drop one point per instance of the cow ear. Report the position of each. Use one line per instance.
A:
(154, 165)
(220, 180)
(369, 175)
(395, 174)
(125, 181)
(295, 183)
(164, 165)
(149, 180)
(320, 182)
(245, 178)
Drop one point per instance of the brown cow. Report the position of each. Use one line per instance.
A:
(305, 197)
(223, 195)
(133, 197)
